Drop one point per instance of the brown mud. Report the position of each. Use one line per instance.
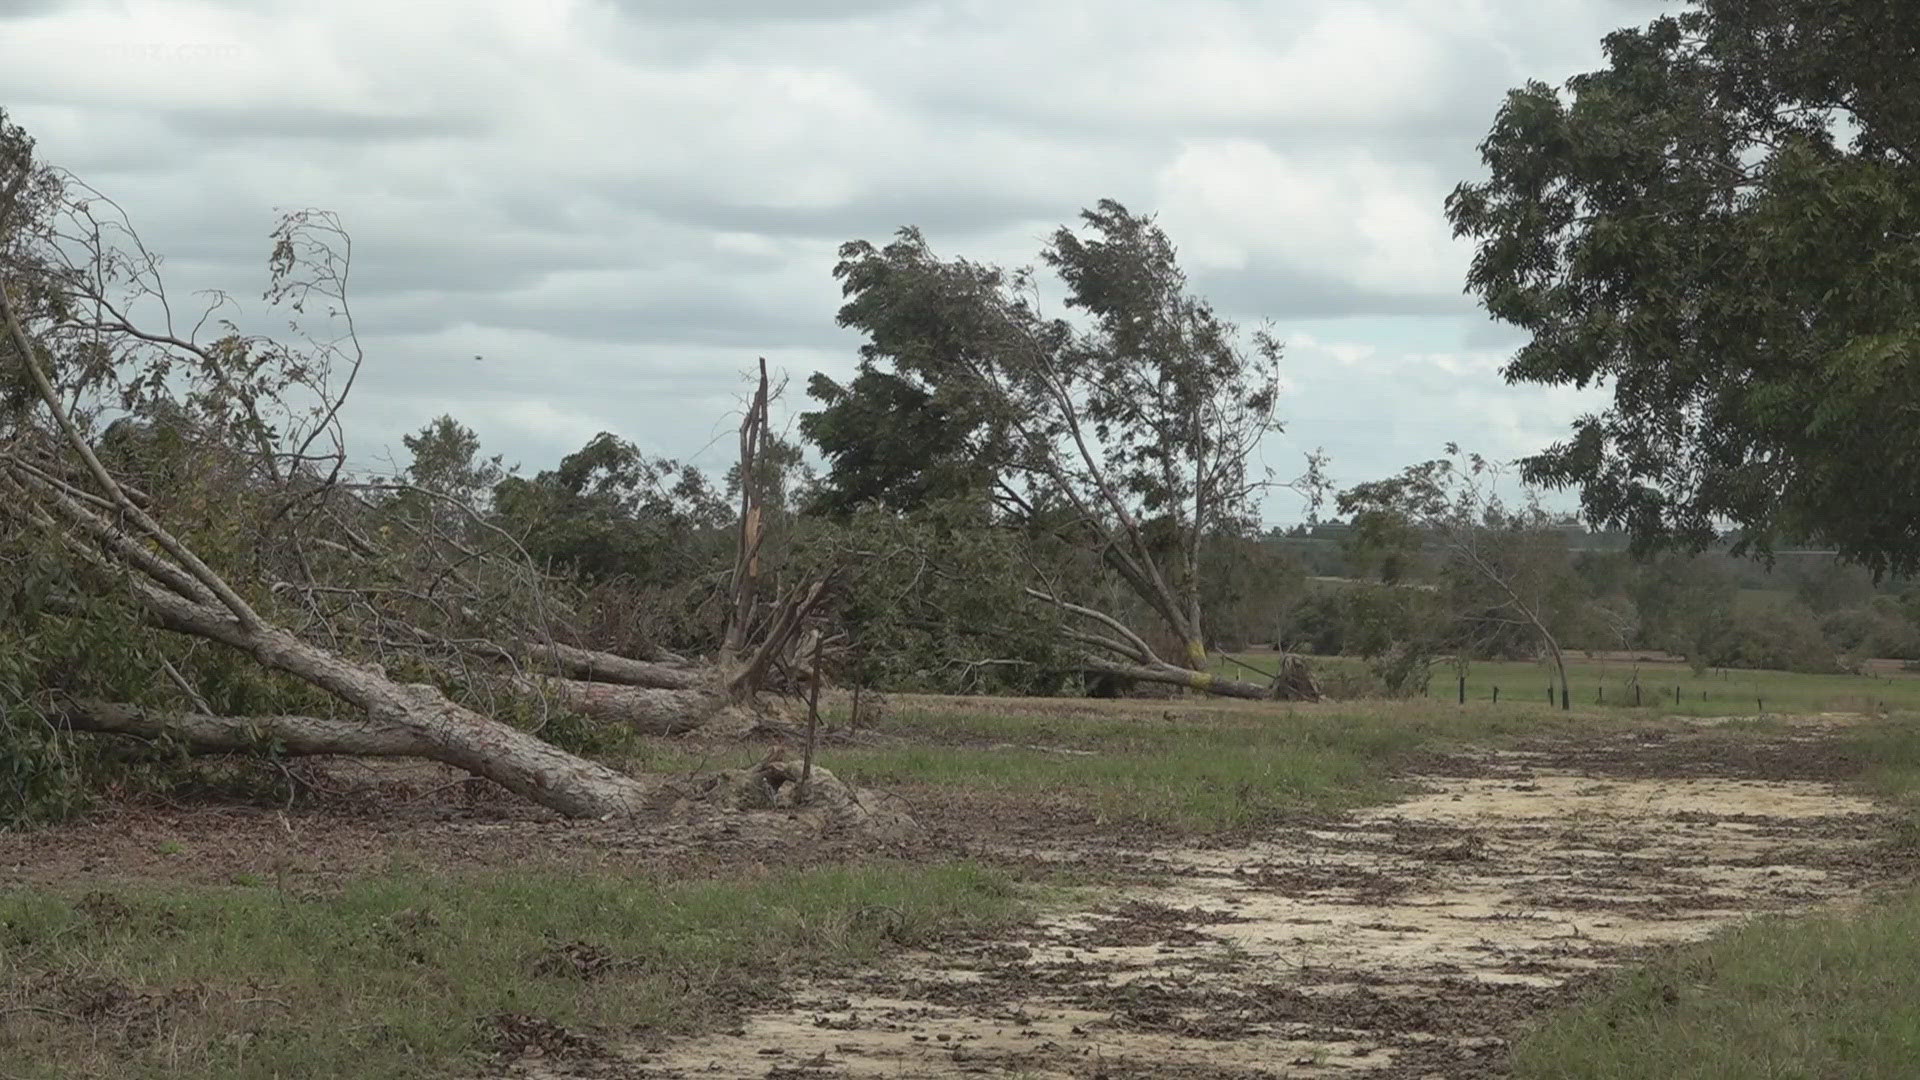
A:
(1414, 940)
(1411, 940)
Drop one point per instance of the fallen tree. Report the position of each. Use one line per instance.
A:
(295, 736)
(1292, 681)
(325, 601)
(605, 667)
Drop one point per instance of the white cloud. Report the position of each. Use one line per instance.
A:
(620, 203)
(1343, 214)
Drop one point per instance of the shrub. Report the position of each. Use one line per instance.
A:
(1781, 635)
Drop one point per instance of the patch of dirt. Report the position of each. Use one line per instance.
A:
(370, 817)
(521, 1036)
(1406, 941)
(578, 959)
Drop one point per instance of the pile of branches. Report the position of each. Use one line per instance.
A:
(194, 479)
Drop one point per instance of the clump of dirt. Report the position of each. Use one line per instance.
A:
(578, 960)
(110, 1008)
(1406, 941)
(109, 912)
(523, 1035)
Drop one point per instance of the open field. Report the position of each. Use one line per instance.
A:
(1104, 889)
(1609, 683)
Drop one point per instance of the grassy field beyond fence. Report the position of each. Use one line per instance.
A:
(1717, 692)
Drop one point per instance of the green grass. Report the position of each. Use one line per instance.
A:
(1207, 768)
(1891, 745)
(1198, 789)
(1610, 683)
(396, 976)
(1803, 998)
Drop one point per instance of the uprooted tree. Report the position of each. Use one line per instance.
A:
(180, 491)
(1129, 433)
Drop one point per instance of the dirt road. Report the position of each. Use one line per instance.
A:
(1408, 941)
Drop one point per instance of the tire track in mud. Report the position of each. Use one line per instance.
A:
(1407, 941)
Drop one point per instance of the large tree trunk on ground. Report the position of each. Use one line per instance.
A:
(1294, 683)
(447, 732)
(647, 710)
(450, 733)
(774, 785)
(605, 667)
(294, 735)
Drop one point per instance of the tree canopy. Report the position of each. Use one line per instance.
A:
(1723, 225)
(1129, 424)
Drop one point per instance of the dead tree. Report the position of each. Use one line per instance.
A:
(746, 565)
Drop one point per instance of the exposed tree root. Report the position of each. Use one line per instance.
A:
(826, 805)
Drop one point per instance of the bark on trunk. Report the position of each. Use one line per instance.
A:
(296, 735)
(606, 667)
(648, 710)
(458, 736)
(818, 801)
(1293, 684)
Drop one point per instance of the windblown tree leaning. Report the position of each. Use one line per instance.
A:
(1502, 570)
(1130, 430)
(217, 510)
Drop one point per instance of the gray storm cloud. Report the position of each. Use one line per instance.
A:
(620, 204)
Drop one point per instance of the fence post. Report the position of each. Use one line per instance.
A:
(1496, 695)
(1676, 697)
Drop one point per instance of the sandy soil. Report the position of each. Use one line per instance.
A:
(1412, 940)
(1408, 941)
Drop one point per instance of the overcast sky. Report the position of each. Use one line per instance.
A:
(619, 204)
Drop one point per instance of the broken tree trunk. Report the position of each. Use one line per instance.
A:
(770, 785)
(746, 558)
(605, 667)
(1295, 685)
(1294, 682)
(453, 734)
(204, 733)
(647, 710)
(122, 551)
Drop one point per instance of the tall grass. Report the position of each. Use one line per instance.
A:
(1783, 998)
(401, 975)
